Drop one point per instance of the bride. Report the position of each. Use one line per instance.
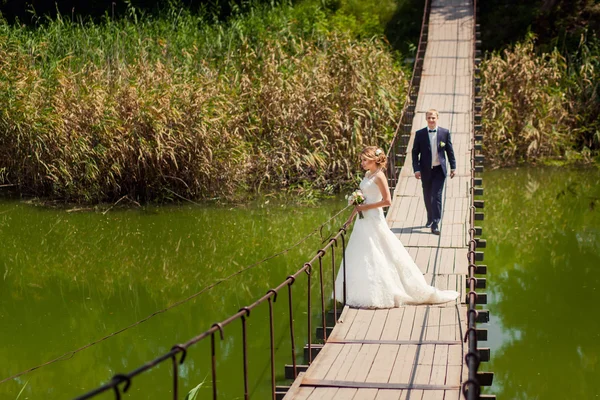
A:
(380, 272)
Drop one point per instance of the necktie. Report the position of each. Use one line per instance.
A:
(432, 130)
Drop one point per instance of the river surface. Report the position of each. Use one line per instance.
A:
(69, 279)
(542, 227)
(73, 278)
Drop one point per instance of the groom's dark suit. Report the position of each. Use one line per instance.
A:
(433, 178)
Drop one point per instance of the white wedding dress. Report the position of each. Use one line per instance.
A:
(380, 272)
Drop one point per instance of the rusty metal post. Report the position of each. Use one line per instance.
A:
(321, 279)
(272, 335)
(309, 312)
(291, 314)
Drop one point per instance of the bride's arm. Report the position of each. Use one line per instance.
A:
(351, 217)
(382, 184)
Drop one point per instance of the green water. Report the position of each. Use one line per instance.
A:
(71, 278)
(542, 226)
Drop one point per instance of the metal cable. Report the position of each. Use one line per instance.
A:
(69, 354)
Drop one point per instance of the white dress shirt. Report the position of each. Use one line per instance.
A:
(435, 159)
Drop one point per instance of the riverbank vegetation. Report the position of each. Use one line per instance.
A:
(154, 107)
(541, 98)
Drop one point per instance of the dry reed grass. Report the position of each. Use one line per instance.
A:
(279, 113)
(526, 113)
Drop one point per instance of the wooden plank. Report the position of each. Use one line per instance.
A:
(391, 394)
(434, 260)
(418, 326)
(416, 395)
(422, 374)
(360, 326)
(461, 265)
(433, 324)
(346, 355)
(303, 393)
(361, 367)
(321, 364)
(323, 394)
(407, 323)
(413, 252)
(455, 356)
(365, 394)
(454, 282)
(433, 395)
(453, 374)
(403, 365)
(447, 261)
(345, 394)
(440, 356)
(438, 375)
(344, 323)
(351, 354)
(426, 354)
(448, 324)
(422, 259)
(294, 390)
(377, 324)
(383, 363)
(392, 324)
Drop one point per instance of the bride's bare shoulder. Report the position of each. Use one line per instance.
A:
(381, 175)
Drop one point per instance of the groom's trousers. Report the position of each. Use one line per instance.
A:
(433, 187)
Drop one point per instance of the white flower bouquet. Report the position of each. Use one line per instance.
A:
(355, 198)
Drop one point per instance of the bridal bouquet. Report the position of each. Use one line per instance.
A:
(355, 198)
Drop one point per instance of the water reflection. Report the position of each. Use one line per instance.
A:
(543, 231)
(72, 278)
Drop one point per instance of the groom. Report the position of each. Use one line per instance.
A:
(430, 148)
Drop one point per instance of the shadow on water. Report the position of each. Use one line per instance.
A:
(543, 231)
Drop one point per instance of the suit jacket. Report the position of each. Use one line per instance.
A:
(421, 151)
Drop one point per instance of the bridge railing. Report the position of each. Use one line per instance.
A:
(120, 383)
(397, 151)
(471, 388)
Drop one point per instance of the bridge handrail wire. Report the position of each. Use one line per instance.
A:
(398, 146)
(471, 388)
(242, 314)
(71, 353)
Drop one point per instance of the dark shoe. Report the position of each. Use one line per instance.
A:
(435, 230)
(428, 224)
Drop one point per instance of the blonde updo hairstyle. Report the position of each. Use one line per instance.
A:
(376, 154)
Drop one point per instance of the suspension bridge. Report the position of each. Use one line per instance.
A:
(419, 352)
(411, 352)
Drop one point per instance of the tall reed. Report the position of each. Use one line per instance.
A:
(525, 114)
(148, 107)
(541, 106)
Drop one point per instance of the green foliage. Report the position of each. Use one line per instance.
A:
(145, 106)
(365, 18)
(556, 23)
(193, 394)
(398, 21)
(21, 391)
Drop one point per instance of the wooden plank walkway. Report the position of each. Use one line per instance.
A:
(415, 352)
